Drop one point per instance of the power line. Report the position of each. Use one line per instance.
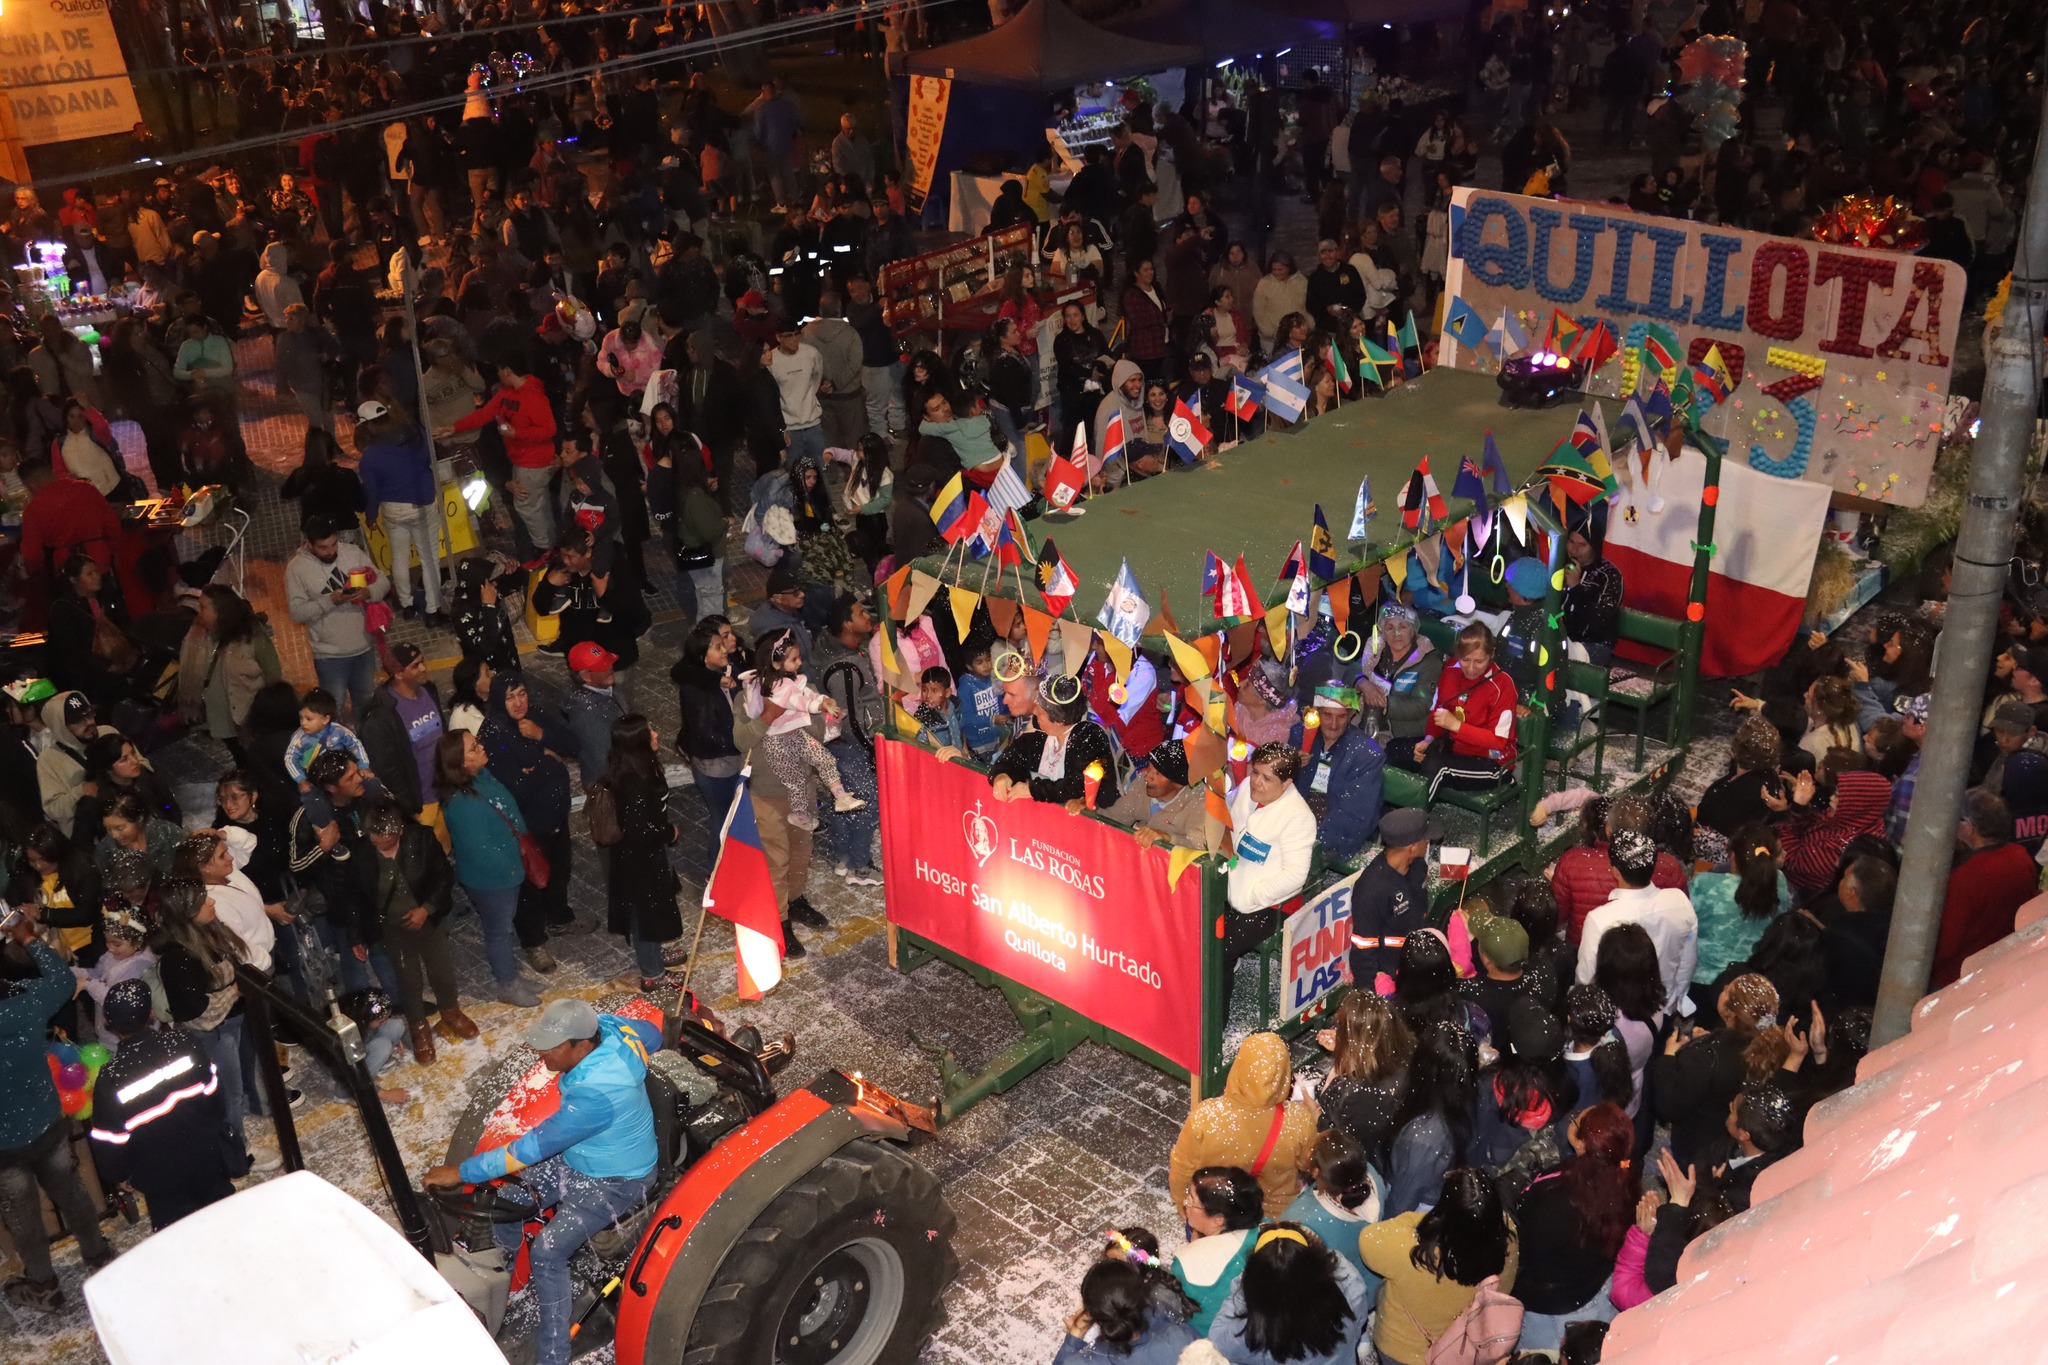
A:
(785, 28)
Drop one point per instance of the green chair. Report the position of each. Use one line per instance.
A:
(1647, 685)
(1592, 681)
(1403, 788)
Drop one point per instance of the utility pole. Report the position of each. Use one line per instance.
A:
(1970, 625)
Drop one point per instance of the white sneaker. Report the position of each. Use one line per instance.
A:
(847, 801)
(262, 1161)
(860, 876)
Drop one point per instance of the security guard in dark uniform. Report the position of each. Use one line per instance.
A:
(1391, 898)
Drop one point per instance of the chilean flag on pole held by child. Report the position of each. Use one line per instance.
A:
(742, 892)
(1766, 533)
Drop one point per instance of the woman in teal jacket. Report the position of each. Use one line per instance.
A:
(1735, 907)
(484, 825)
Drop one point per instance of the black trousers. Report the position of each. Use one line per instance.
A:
(543, 909)
(1242, 934)
(1465, 772)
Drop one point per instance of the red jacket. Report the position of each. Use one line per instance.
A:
(63, 516)
(1813, 843)
(525, 409)
(1143, 732)
(1144, 324)
(1488, 713)
(1584, 879)
(1985, 892)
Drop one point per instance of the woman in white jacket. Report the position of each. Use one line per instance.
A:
(1275, 835)
(1281, 290)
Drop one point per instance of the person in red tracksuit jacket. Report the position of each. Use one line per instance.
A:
(1469, 742)
(1135, 719)
(526, 420)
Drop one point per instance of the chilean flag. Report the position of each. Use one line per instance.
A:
(1766, 530)
(740, 890)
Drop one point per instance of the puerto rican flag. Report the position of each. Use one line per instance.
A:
(741, 891)
(1766, 530)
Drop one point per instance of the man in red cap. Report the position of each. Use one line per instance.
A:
(753, 322)
(592, 707)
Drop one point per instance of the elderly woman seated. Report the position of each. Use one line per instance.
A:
(1062, 756)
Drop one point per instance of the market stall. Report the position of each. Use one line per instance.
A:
(954, 288)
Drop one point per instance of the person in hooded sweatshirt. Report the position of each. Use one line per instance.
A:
(523, 742)
(1252, 1125)
(397, 471)
(71, 723)
(276, 289)
(1126, 396)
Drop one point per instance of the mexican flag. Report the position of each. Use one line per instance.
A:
(1766, 533)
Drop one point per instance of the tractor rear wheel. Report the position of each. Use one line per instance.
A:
(845, 1268)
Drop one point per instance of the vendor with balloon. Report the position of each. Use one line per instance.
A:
(35, 1146)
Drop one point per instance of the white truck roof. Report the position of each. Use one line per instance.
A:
(289, 1272)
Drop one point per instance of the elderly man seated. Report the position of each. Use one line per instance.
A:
(1342, 771)
(1161, 805)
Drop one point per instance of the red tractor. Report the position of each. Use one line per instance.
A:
(788, 1229)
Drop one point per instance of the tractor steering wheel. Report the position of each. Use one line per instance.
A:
(493, 1202)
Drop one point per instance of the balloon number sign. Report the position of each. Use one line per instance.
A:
(74, 1069)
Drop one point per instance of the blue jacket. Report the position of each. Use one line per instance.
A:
(397, 471)
(1226, 1334)
(1161, 1343)
(486, 853)
(1357, 772)
(605, 1126)
(981, 704)
(28, 1097)
(1339, 1228)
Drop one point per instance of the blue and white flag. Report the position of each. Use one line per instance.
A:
(1286, 396)
(1008, 490)
(1365, 510)
(1125, 612)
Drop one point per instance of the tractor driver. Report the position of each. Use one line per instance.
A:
(593, 1159)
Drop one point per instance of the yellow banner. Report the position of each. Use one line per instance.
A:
(63, 69)
(929, 96)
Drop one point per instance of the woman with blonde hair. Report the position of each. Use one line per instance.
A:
(1370, 1047)
(1831, 711)
(1701, 1070)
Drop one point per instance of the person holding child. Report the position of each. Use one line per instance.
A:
(790, 748)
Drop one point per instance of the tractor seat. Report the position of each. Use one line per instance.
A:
(667, 1102)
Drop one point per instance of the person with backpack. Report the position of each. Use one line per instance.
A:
(1448, 1274)
(628, 814)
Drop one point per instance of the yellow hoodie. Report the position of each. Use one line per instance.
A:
(1231, 1130)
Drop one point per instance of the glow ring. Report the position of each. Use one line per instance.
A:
(1357, 646)
(1012, 666)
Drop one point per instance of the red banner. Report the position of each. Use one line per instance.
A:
(1066, 905)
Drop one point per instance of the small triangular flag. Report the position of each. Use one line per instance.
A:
(1276, 629)
(1192, 665)
(964, 603)
(1340, 605)
(922, 588)
(1119, 654)
(906, 724)
(1430, 551)
(1517, 510)
(1178, 861)
(1075, 642)
(1369, 585)
(1038, 630)
(1002, 614)
(1397, 570)
(898, 588)
(1162, 622)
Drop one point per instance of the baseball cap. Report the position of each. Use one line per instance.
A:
(1526, 577)
(2013, 717)
(563, 1021)
(127, 1007)
(784, 577)
(589, 656)
(405, 655)
(753, 299)
(371, 410)
(1406, 825)
(1505, 943)
(2034, 661)
(1916, 709)
(77, 707)
(1533, 1032)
